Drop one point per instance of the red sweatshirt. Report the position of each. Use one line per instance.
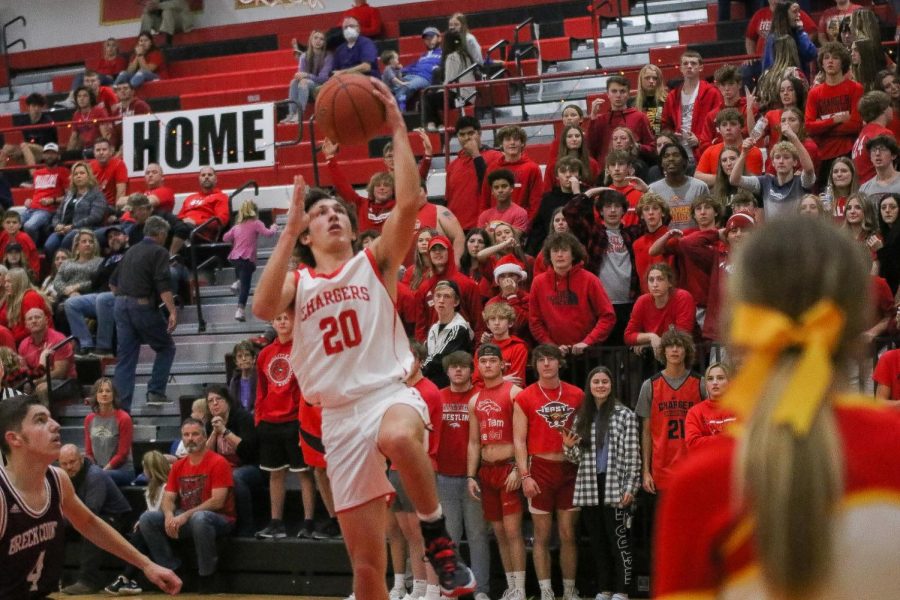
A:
(529, 186)
(368, 17)
(704, 421)
(29, 250)
(708, 253)
(515, 359)
(432, 396)
(601, 128)
(519, 303)
(864, 169)
(824, 100)
(277, 390)
(369, 215)
(570, 309)
(199, 207)
(679, 311)
(642, 258)
(463, 187)
(708, 101)
(690, 278)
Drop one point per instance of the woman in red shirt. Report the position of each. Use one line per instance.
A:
(707, 419)
(21, 296)
(146, 62)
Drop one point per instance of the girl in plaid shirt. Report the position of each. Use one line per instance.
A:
(605, 443)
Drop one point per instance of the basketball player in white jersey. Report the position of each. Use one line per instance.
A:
(34, 500)
(352, 357)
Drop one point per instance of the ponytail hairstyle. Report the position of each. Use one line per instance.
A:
(789, 478)
(587, 412)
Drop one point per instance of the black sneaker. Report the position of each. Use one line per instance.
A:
(330, 531)
(84, 352)
(123, 586)
(103, 353)
(456, 579)
(154, 398)
(306, 533)
(273, 531)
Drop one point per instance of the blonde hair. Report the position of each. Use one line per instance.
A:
(785, 146)
(659, 95)
(199, 405)
(95, 247)
(785, 55)
(19, 284)
(157, 468)
(247, 211)
(790, 485)
(315, 58)
(92, 181)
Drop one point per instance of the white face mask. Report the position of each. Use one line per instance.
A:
(351, 34)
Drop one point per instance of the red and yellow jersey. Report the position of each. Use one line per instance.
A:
(705, 547)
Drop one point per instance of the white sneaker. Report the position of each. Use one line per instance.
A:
(482, 596)
(239, 316)
(235, 288)
(619, 597)
(603, 596)
(516, 594)
(352, 596)
(547, 595)
(506, 593)
(571, 596)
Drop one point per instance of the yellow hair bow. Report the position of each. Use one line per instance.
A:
(767, 333)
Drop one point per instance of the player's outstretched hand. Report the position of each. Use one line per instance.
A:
(163, 578)
(393, 116)
(297, 219)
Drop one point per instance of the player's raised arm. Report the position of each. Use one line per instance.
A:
(397, 235)
(277, 287)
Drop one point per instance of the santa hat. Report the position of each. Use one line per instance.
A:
(740, 220)
(510, 264)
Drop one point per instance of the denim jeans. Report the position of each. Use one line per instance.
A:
(138, 324)
(97, 306)
(244, 269)
(414, 83)
(137, 79)
(461, 510)
(35, 223)
(55, 241)
(249, 481)
(300, 94)
(122, 476)
(203, 527)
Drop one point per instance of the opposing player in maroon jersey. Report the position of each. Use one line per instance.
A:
(351, 356)
(36, 499)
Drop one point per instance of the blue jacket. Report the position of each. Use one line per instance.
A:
(805, 48)
(425, 66)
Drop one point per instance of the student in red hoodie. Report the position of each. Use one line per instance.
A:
(569, 307)
(373, 209)
(654, 212)
(12, 232)
(465, 173)
(510, 276)
(275, 414)
(529, 184)
(708, 419)
(707, 213)
(728, 81)
(832, 118)
(619, 115)
(443, 266)
(713, 251)
(664, 306)
(688, 104)
(499, 318)
(876, 109)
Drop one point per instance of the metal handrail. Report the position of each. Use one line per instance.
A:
(519, 27)
(314, 151)
(7, 46)
(498, 45)
(195, 268)
(519, 55)
(48, 364)
(299, 127)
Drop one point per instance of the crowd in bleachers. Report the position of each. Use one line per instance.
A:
(625, 240)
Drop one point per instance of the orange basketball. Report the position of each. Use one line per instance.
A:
(346, 110)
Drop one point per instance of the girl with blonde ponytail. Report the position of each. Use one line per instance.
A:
(801, 498)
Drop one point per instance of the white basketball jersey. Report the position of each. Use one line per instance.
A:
(348, 338)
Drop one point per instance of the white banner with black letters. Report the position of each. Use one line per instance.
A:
(226, 138)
